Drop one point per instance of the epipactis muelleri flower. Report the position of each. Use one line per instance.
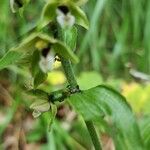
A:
(39, 107)
(47, 56)
(65, 12)
(48, 48)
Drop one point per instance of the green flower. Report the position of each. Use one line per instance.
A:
(41, 42)
(65, 12)
(39, 107)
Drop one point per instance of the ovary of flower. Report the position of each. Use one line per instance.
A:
(41, 44)
(39, 107)
(46, 63)
(65, 20)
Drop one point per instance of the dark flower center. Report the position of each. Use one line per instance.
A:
(45, 51)
(63, 9)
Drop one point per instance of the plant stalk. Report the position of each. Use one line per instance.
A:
(93, 135)
(66, 64)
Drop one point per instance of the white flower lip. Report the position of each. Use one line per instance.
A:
(47, 60)
(64, 17)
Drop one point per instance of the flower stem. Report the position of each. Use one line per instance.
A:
(66, 64)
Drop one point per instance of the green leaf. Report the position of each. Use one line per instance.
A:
(144, 124)
(40, 77)
(10, 58)
(80, 16)
(29, 43)
(101, 101)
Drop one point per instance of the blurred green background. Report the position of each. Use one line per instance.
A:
(115, 51)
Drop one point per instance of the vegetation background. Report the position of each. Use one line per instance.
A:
(115, 51)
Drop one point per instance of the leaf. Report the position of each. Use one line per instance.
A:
(92, 104)
(29, 43)
(80, 16)
(35, 63)
(144, 124)
(40, 77)
(10, 58)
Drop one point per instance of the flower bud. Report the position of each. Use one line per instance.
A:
(39, 107)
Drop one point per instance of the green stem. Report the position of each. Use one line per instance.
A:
(66, 64)
(93, 135)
